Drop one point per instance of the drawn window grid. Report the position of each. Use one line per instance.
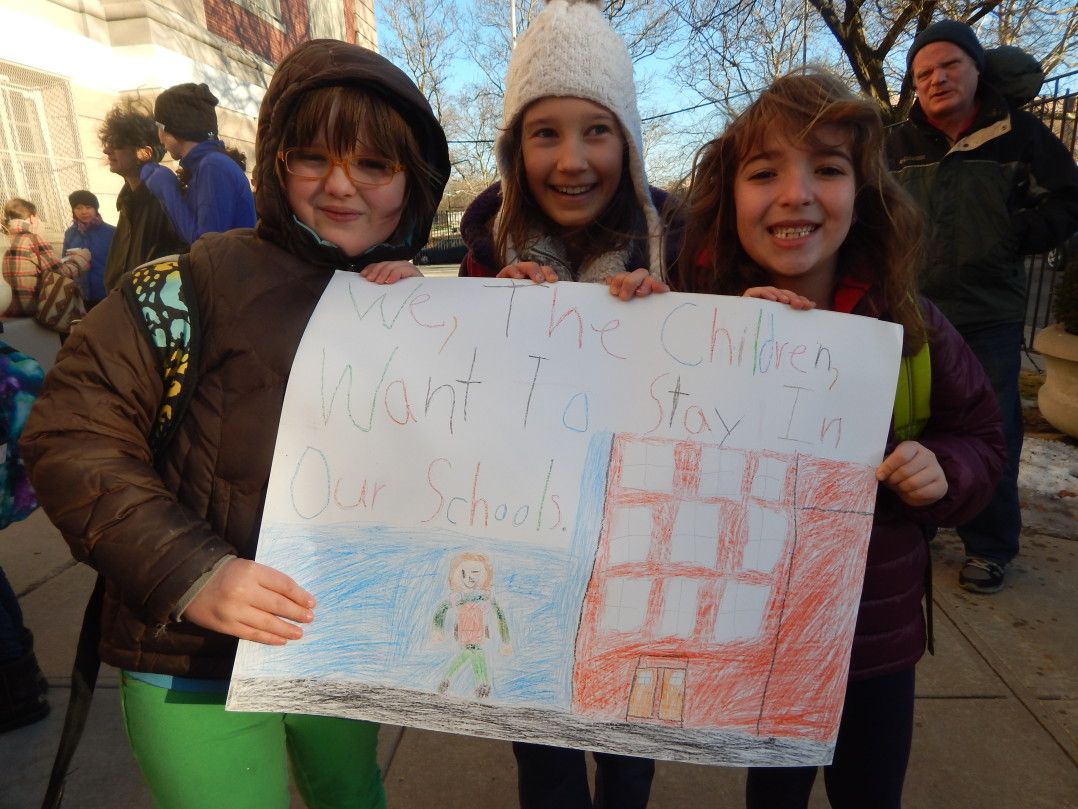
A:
(625, 603)
(765, 542)
(741, 612)
(647, 466)
(681, 600)
(696, 532)
(722, 472)
(769, 479)
(630, 535)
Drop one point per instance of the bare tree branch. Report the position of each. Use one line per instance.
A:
(425, 41)
(872, 36)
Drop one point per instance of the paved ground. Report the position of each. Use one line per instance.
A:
(996, 713)
(997, 708)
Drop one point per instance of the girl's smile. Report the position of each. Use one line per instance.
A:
(572, 150)
(794, 206)
(353, 217)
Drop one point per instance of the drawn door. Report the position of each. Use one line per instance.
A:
(658, 692)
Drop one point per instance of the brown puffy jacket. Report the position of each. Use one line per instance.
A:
(153, 532)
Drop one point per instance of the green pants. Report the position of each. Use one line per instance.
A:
(193, 753)
(474, 655)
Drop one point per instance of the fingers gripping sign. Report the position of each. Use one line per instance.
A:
(636, 284)
(913, 473)
(252, 602)
(529, 271)
(791, 299)
(389, 272)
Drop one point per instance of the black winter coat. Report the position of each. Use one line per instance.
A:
(1005, 189)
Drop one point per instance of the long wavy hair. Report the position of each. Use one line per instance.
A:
(884, 246)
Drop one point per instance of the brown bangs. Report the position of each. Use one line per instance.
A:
(345, 117)
(799, 109)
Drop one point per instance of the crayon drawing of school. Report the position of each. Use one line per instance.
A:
(699, 610)
(702, 610)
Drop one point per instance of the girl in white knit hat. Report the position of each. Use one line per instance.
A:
(573, 202)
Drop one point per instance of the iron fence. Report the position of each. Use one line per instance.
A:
(446, 224)
(1057, 108)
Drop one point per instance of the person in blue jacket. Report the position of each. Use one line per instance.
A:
(218, 194)
(91, 232)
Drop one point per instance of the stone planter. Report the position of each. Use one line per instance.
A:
(1058, 396)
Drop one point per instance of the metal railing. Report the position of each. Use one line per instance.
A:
(1057, 108)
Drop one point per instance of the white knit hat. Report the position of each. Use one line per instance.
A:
(571, 50)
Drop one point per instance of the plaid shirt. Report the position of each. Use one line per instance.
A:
(26, 258)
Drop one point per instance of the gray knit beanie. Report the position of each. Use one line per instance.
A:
(571, 50)
(953, 31)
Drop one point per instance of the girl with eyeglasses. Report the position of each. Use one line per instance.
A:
(351, 164)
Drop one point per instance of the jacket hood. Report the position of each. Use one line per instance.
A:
(328, 63)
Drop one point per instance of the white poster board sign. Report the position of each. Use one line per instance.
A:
(536, 512)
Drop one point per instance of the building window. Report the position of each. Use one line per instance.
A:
(647, 466)
(766, 538)
(721, 471)
(769, 482)
(630, 538)
(680, 604)
(695, 539)
(625, 604)
(40, 156)
(741, 611)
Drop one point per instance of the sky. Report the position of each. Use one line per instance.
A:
(669, 159)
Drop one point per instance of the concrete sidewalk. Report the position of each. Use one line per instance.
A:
(996, 715)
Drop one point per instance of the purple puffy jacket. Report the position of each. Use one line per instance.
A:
(965, 433)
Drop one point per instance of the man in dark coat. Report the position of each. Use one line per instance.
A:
(996, 185)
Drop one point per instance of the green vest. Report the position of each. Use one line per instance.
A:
(913, 395)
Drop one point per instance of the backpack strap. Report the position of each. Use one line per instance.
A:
(162, 302)
(913, 395)
(165, 306)
(913, 399)
(83, 680)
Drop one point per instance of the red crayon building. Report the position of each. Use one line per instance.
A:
(718, 598)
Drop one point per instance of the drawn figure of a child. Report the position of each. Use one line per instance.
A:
(471, 577)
